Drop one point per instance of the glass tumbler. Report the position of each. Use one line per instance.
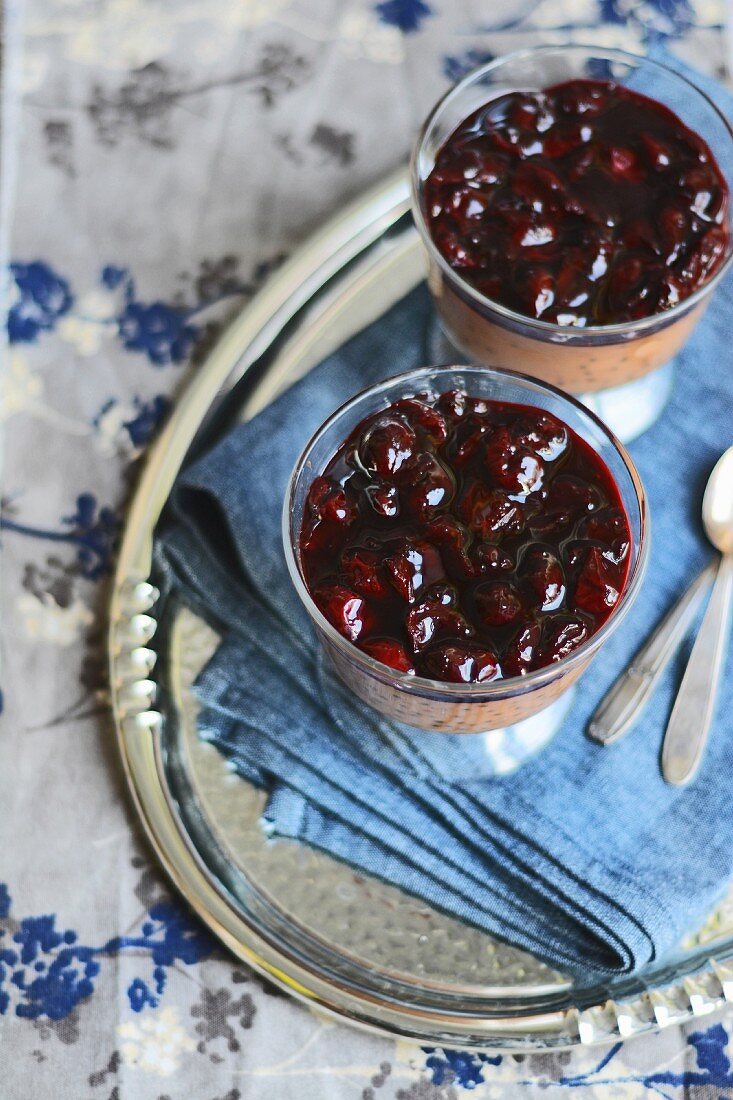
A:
(623, 371)
(527, 707)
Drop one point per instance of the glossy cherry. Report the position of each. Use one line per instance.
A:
(384, 499)
(596, 587)
(345, 610)
(431, 488)
(498, 603)
(412, 567)
(388, 447)
(391, 653)
(433, 618)
(512, 466)
(490, 513)
(462, 663)
(521, 652)
(543, 578)
(330, 511)
(564, 635)
(365, 572)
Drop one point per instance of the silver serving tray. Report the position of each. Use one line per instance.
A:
(350, 944)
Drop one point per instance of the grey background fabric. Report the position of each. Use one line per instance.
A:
(193, 145)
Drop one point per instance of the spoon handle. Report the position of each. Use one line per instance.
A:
(626, 699)
(692, 714)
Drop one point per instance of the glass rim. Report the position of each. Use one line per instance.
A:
(494, 689)
(570, 333)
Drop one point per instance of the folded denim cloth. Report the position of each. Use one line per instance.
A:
(584, 856)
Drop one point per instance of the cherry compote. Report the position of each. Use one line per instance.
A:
(584, 204)
(465, 540)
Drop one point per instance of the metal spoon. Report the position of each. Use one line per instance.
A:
(627, 698)
(689, 723)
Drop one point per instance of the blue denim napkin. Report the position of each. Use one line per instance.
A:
(584, 856)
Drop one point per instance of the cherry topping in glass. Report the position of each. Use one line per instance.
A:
(583, 204)
(460, 565)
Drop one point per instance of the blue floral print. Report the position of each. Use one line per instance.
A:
(143, 421)
(175, 1025)
(169, 936)
(407, 15)
(162, 332)
(93, 530)
(113, 276)
(653, 22)
(42, 298)
(469, 1069)
(148, 414)
(659, 19)
(462, 1067)
(46, 972)
(52, 971)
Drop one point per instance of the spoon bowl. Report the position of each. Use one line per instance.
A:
(717, 504)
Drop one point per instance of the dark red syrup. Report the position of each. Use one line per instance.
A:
(584, 204)
(465, 540)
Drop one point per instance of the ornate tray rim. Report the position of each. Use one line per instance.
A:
(138, 723)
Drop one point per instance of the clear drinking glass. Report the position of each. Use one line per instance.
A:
(618, 359)
(432, 704)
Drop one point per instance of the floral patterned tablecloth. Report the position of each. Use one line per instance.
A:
(159, 157)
